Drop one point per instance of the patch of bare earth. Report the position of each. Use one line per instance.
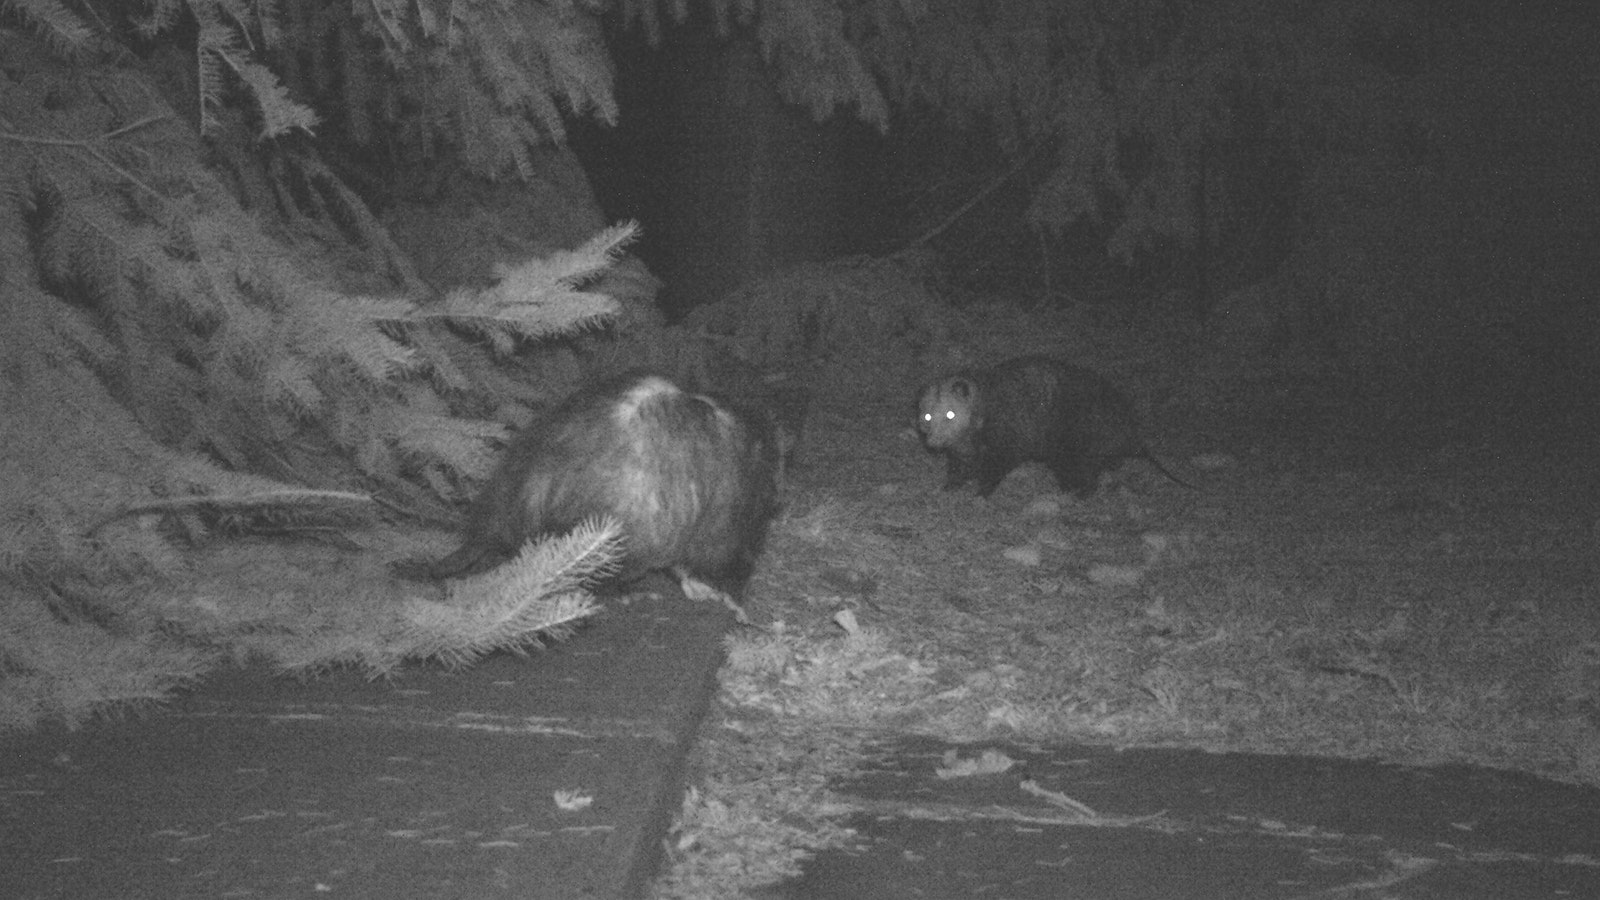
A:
(1345, 582)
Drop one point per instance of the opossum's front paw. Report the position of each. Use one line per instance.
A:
(695, 589)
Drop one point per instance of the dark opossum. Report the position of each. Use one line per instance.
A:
(692, 480)
(1031, 409)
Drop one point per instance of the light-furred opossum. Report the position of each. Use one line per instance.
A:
(692, 481)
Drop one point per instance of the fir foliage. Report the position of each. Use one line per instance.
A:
(180, 369)
(540, 298)
(481, 82)
(484, 81)
(143, 267)
(537, 594)
(1138, 111)
(60, 28)
(66, 670)
(1174, 79)
(540, 595)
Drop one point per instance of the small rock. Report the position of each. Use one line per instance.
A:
(1026, 554)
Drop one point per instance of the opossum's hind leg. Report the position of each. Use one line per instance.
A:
(991, 469)
(698, 590)
(1077, 476)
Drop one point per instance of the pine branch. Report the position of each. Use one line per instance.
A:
(93, 148)
(815, 63)
(162, 15)
(351, 212)
(219, 44)
(538, 298)
(125, 262)
(598, 254)
(461, 445)
(212, 41)
(242, 19)
(534, 597)
(279, 113)
(61, 29)
(69, 671)
(267, 17)
(389, 14)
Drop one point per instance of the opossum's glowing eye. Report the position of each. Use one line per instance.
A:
(927, 417)
(950, 415)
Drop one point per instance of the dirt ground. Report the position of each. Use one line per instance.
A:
(1408, 582)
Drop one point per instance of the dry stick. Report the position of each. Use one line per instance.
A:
(977, 198)
(396, 37)
(237, 501)
(88, 147)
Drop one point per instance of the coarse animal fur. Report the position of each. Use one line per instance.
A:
(986, 422)
(692, 481)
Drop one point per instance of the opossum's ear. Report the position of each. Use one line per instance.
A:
(961, 387)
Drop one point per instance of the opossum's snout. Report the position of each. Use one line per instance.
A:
(937, 426)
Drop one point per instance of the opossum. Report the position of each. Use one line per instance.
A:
(691, 480)
(986, 422)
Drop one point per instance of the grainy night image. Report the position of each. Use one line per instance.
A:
(803, 449)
